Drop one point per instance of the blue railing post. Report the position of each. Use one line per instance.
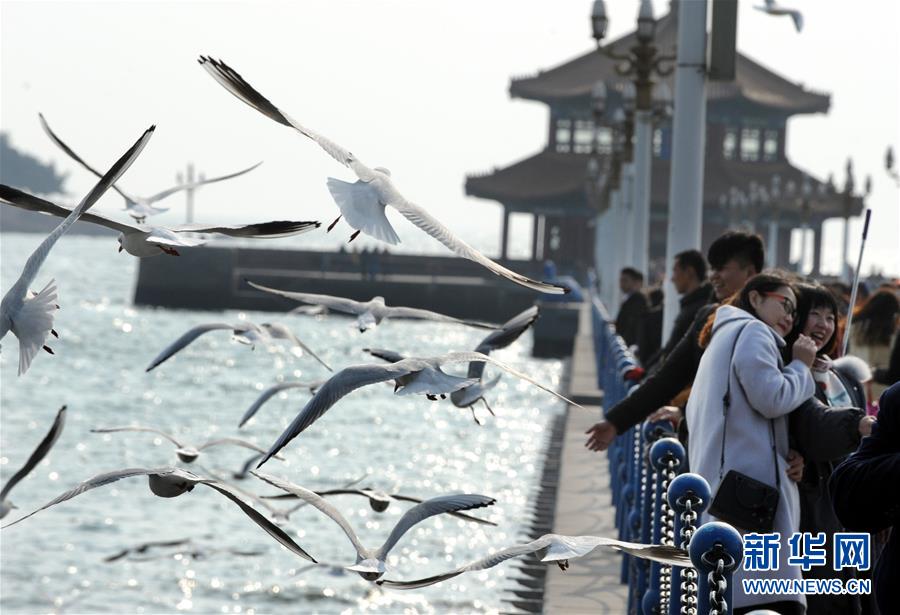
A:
(688, 495)
(666, 457)
(716, 551)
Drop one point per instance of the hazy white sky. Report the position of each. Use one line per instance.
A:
(419, 87)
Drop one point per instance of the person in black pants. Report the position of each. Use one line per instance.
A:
(865, 490)
(628, 321)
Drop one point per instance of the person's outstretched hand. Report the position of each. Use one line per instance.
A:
(795, 465)
(601, 436)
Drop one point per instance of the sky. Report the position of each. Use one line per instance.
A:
(419, 87)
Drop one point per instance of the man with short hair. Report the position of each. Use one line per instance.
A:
(689, 280)
(631, 314)
(734, 258)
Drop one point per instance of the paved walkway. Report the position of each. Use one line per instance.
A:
(583, 501)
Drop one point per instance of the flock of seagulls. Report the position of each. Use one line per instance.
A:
(29, 316)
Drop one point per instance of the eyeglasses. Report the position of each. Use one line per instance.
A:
(786, 304)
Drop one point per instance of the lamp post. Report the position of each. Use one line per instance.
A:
(641, 63)
(805, 193)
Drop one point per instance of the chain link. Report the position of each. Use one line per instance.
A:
(688, 575)
(717, 587)
(667, 535)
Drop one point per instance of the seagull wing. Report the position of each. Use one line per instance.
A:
(165, 435)
(268, 394)
(260, 230)
(319, 502)
(431, 225)
(115, 172)
(92, 483)
(202, 182)
(235, 442)
(797, 16)
(487, 562)
(419, 314)
(68, 150)
(430, 508)
(568, 547)
(509, 332)
(408, 498)
(270, 528)
(23, 200)
(39, 453)
(386, 355)
(457, 357)
(234, 83)
(338, 304)
(282, 332)
(186, 339)
(345, 381)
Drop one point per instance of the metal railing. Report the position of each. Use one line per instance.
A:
(657, 503)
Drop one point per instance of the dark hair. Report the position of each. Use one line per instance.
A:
(745, 248)
(632, 273)
(810, 296)
(875, 320)
(761, 283)
(692, 259)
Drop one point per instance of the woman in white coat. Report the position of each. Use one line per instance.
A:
(744, 358)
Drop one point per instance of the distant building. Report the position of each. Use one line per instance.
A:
(745, 144)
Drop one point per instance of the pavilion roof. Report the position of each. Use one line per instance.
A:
(753, 82)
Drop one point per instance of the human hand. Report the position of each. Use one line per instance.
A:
(795, 465)
(673, 414)
(865, 425)
(601, 436)
(804, 350)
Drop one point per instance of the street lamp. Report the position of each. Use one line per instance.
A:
(641, 63)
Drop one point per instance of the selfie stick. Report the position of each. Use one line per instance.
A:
(862, 246)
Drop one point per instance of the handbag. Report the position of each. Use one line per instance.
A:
(743, 501)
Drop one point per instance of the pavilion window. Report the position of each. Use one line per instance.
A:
(604, 140)
(770, 146)
(750, 144)
(729, 144)
(584, 136)
(564, 135)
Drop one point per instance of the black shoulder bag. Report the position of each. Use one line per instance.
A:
(742, 501)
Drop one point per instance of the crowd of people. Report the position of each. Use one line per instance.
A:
(753, 381)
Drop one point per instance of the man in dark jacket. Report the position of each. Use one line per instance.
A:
(689, 280)
(628, 321)
(734, 258)
(865, 490)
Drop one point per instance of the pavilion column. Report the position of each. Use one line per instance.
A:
(817, 248)
(504, 237)
(534, 236)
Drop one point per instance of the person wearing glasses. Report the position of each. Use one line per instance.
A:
(743, 361)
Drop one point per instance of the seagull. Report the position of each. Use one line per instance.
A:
(185, 453)
(776, 9)
(138, 207)
(559, 549)
(466, 397)
(369, 313)
(244, 332)
(30, 318)
(363, 203)
(169, 482)
(143, 547)
(39, 453)
(198, 553)
(145, 240)
(274, 390)
(413, 375)
(370, 563)
(378, 500)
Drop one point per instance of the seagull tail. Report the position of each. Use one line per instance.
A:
(33, 324)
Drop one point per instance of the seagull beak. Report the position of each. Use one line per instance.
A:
(120, 247)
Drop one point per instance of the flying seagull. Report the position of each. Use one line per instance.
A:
(274, 390)
(413, 375)
(378, 500)
(144, 547)
(556, 548)
(370, 563)
(363, 203)
(776, 9)
(186, 453)
(243, 332)
(466, 397)
(369, 313)
(139, 207)
(169, 482)
(146, 240)
(30, 318)
(39, 453)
